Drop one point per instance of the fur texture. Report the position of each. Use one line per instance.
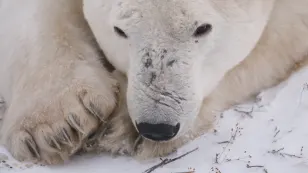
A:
(59, 97)
(253, 45)
(56, 90)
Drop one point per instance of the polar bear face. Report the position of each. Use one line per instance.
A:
(174, 53)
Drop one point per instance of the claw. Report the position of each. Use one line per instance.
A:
(96, 111)
(75, 123)
(53, 142)
(100, 132)
(66, 137)
(137, 143)
(32, 148)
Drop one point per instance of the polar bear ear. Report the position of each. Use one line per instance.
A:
(120, 32)
(203, 30)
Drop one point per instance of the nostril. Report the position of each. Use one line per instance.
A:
(158, 132)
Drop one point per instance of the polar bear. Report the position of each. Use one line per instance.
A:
(178, 63)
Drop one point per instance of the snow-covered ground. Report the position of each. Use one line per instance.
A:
(266, 137)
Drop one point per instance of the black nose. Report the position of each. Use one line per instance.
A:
(158, 132)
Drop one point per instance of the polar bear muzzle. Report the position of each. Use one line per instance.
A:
(161, 98)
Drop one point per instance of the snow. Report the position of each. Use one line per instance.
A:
(271, 137)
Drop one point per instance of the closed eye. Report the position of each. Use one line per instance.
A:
(120, 32)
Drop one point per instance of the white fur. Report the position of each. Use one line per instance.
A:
(51, 77)
(253, 45)
(53, 83)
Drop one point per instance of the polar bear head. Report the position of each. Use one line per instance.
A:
(174, 53)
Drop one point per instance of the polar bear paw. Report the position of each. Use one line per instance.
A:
(118, 136)
(50, 132)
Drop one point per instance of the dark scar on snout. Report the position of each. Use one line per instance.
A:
(147, 54)
(170, 63)
(148, 63)
(153, 77)
(176, 98)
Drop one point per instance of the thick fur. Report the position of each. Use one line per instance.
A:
(272, 33)
(56, 90)
(57, 94)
